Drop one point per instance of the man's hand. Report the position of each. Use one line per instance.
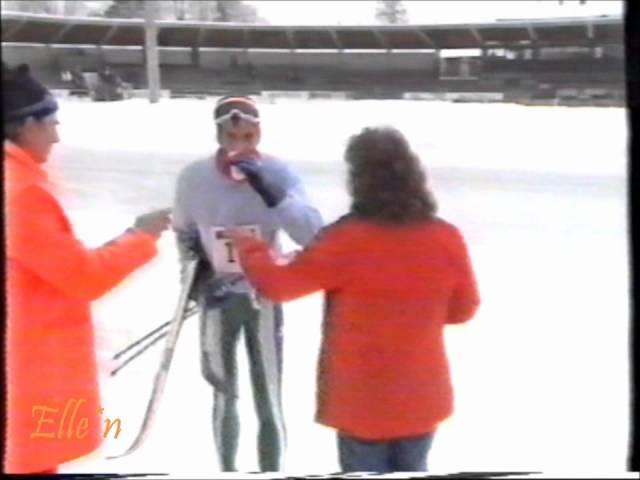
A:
(247, 244)
(271, 193)
(154, 222)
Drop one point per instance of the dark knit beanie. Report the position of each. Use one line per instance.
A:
(23, 96)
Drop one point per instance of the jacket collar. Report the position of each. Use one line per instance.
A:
(224, 167)
(20, 168)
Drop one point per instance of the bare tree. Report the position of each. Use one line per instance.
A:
(214, 10)
(71, 8)
(125, 9)
(34, 6)
(179, 9)
(235, 11)
(204, 10)
(391, 12)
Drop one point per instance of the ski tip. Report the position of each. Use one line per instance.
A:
(128, 451)
(113, 457)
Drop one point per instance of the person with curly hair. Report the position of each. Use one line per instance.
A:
(394, 275)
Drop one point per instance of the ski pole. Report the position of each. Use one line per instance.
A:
(221, 284)
(188, 313)
(139, 352)
(152, 342)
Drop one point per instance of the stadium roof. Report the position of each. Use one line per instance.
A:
(558, 32)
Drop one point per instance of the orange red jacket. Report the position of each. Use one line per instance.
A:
(51, 280)
(383, 371)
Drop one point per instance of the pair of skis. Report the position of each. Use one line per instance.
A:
(173, 331)
(220, 290)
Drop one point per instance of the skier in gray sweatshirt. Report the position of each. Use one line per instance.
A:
(237, 186)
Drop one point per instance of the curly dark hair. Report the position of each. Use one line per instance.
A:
(386, 180)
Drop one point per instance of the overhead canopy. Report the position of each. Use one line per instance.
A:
(564, 32)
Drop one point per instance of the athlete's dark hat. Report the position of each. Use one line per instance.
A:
(23, 96)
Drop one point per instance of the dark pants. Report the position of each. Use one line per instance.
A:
(219, 335)
(407, 454)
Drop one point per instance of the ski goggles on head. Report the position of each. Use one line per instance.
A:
(235, 116)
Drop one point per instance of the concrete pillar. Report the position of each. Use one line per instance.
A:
(195, 56)
(102, 61)
(464, 69)
(440, 64)
(151, 50)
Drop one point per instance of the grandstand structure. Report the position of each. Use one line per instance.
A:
(517, 59)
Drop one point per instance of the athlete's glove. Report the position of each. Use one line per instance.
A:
(190, 248)
(271, 192)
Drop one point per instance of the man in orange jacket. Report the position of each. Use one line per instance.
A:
(51, 280)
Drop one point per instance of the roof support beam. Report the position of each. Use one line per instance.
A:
(290, 39)
(200, 37)
(427, 38)
(477, 36)
(589, 26)
(591, 39)
(15, 29)
(61, 33)
(336, 40)
(521, 33)
(109, 35)
(195, 48)
(245, 39)
(381, 39)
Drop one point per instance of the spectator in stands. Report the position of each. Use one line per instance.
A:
(394, 274)
(109, 86)
(108, 76)
(77, 79)
(51, 280)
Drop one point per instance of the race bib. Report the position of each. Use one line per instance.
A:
(225, 255)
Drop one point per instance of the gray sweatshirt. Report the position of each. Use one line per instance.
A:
(205, 198)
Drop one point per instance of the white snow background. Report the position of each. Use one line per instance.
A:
(541, 372)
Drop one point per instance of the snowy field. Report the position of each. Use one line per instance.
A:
(540, 373)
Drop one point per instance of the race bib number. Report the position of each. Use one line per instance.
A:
(225, 255)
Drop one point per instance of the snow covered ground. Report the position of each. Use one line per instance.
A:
(540, 194)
